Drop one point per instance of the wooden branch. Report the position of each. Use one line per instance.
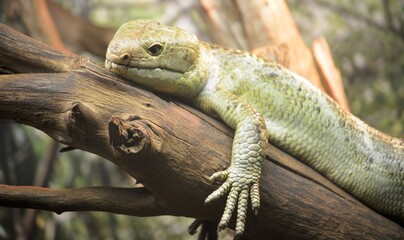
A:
(41, 58)
(165, 145)
(106, 199)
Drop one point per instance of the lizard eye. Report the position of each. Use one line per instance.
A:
(155, 49)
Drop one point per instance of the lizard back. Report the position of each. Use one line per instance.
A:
(309, 125)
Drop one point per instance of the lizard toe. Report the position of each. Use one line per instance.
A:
(255, 197)
(218, 193)
(242, 206)
(229, 209)
(219, 176)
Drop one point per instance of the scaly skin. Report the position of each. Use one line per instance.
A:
(262, 101)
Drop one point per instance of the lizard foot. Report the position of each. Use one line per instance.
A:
(239, 185)
(208, 229)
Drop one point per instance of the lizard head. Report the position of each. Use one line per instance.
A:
(162, 58)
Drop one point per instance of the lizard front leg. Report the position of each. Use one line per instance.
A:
(241, 179)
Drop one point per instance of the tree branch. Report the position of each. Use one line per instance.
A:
(164, 145)
(106, 199)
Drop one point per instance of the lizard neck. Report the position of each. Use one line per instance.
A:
(197, 77)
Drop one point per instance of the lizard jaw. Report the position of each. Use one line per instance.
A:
(116, 68)
(123, 69)
(147, 76)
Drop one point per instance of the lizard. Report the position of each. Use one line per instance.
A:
(263, 102)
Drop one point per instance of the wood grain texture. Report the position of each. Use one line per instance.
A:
(169, 147)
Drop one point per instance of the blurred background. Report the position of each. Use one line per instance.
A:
(366, 39)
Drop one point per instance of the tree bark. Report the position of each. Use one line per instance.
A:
(169, 147)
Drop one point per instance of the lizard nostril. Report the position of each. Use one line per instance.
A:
(125, 58)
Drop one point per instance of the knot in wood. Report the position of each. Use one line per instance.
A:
(130, 135)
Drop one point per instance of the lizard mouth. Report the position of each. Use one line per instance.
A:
(116, 68)
(123, 69)
(142, 73)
